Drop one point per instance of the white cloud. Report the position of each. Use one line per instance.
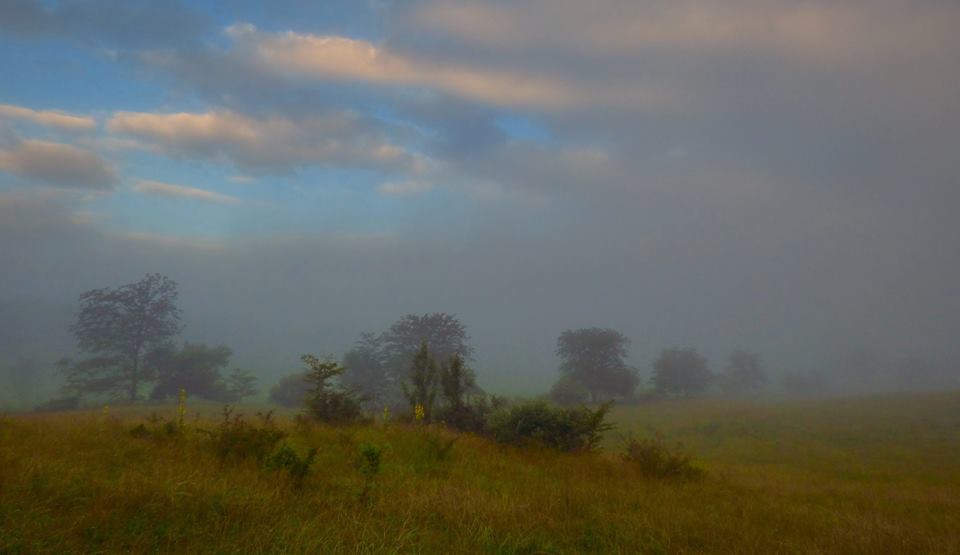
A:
(272, 143)
(169, 190)
(49, 118)
(58, 164)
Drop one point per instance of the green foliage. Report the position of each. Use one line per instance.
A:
(422, 389)
(327, 401)
(681, 372)
(367, 372)
(290, 391)
(368, 462)
(241, 384)
(287, 460)
(654, 459)
(235, 438)
(563, 429)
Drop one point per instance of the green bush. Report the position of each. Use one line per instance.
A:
(238, 439)
(297, 467)
(564, 429)
(327, 401)
(654, 459)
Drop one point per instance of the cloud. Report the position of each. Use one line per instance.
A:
(50, 118)
(269, 143)
(168, 190)
(340, 58)
(408, 187)
(58, 164)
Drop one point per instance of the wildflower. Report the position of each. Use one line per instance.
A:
(419, 413)
(386, 415)
(106, 411)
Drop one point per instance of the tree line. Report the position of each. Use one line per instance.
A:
(127, 340)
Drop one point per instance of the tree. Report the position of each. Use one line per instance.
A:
(568, 391)
(423, 377)
(443, 333)
(241, 384)
(595, 358)
(326, 400)
(118, 328)
(194, 368)
(366, 369)
(681, 372)
(291, 390)
(744, 373)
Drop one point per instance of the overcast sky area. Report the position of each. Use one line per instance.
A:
(781, 176)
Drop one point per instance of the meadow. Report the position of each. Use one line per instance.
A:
(865, 475)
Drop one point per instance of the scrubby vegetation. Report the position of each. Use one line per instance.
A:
(852, 476)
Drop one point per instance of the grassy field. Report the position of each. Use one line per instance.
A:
(876, 475)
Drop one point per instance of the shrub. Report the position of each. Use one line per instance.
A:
(325, 400)
(655, 460)
(239, 439)
(564, 429)
(290, 391)
(59, 404)
(296, 467)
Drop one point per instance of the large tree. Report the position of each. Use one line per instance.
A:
(743, 374)
(366, 369)
(195, 368)
(596, 359)
(117, 329)
(443, 333)
(681, 372)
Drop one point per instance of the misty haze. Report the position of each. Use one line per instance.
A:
(484, 276)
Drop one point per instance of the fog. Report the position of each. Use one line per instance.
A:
(791, 192)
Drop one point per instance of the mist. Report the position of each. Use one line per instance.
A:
(788, 195)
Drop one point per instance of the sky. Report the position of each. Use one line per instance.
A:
(776, 175)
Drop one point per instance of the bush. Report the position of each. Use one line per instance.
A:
(239, 439)
(327, 401)
(564, 429)
(59, 404)
(297, 467)
(655, 460)
(290, 391)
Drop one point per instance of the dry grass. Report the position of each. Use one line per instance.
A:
(870, 476)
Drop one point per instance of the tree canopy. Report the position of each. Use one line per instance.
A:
(681, 371)
(117, 328)
(596, 358)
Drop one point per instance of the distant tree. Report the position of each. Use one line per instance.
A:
(291, 390)
(366, 370)
(326, 400)
(422, 387)
(568, 391)
(681, 372)
(803, 383)
(744, 373)
(595, 358)
(241, 384)
(118, 328)
(443, 333)
(194, 368)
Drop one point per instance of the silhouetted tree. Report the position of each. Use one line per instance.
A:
(241, 384)
(803, 383)
(744, 373)
(681, 372)
(595, 358)
(291, 390)
(568, 391)
(422, 389)
(443, 333)
(327, 400)
(118, 328)
(366, 370)
(195, 368)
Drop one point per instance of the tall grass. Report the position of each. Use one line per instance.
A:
(871, 476)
